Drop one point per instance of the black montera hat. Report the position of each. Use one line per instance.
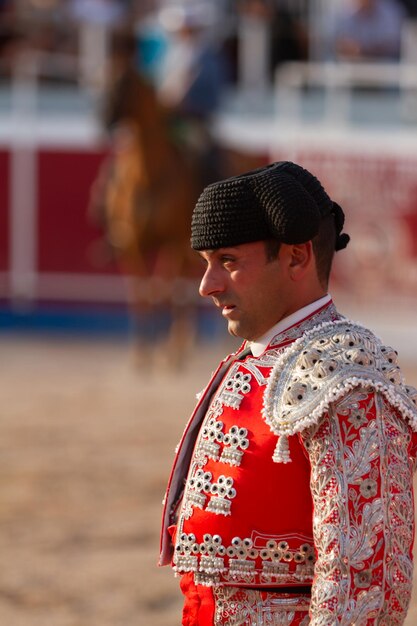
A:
(283, 201)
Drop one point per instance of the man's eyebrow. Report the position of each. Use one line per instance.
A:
(218, 251)
(228, 250)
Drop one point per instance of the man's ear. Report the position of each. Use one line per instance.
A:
(301, 259)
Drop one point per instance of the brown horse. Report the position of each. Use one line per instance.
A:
(145, 194)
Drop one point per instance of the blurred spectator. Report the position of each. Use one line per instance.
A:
(193, 80)
(194, 74)
(286, 33)
(152, 43)
(126, 88)
(410, 6)
(96, 20)
(11, 44)
(5, 6)
(39, 22)
(289, 36)
(369, 29)
(269, 32)
(8, 34)
(106, 12)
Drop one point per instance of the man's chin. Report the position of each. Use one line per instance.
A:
(231, 327)
(235, 329)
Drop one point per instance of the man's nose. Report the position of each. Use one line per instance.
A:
(211, 283)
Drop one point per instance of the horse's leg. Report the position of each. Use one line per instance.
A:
(179, 338)
(141, 308)
(182, 335)
(126, 227)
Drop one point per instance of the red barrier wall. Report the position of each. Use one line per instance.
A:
(4, 210)
(65, 232)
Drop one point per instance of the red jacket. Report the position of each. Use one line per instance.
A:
(339, 516)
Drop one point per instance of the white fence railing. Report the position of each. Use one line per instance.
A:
(338, 81)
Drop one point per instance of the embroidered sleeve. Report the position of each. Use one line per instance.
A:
(361, 481)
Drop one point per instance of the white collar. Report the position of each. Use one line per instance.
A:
(258, 346)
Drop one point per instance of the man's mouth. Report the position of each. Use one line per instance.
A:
(227, 309)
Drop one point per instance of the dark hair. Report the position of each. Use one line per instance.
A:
(323, 249)
(272, 247)
(324, 244)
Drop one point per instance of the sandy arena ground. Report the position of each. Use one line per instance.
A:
(86, 446)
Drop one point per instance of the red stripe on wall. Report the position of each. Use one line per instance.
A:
(4, 210)
(67, 238)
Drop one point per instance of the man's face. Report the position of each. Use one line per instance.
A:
(252, 292)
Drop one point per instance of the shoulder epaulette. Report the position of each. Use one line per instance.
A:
(321, 367)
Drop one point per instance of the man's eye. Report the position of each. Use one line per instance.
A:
(227, 260)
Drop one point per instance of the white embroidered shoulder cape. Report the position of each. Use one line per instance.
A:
(321, 367)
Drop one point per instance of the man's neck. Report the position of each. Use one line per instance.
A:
(260, 344)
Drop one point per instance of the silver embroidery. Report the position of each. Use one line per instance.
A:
(234, 389)
(201, 488)
(241, 571)
(198, 486)
(398, 515)
(328, 314)
(249, 607)
(247, 557)
(266, 360)
(222, 492)
(213, 443)
(184, 556)
(361, 482)
(211, 437)
(323, 366)
(235, 442)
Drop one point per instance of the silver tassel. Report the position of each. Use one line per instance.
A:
(282, 450)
